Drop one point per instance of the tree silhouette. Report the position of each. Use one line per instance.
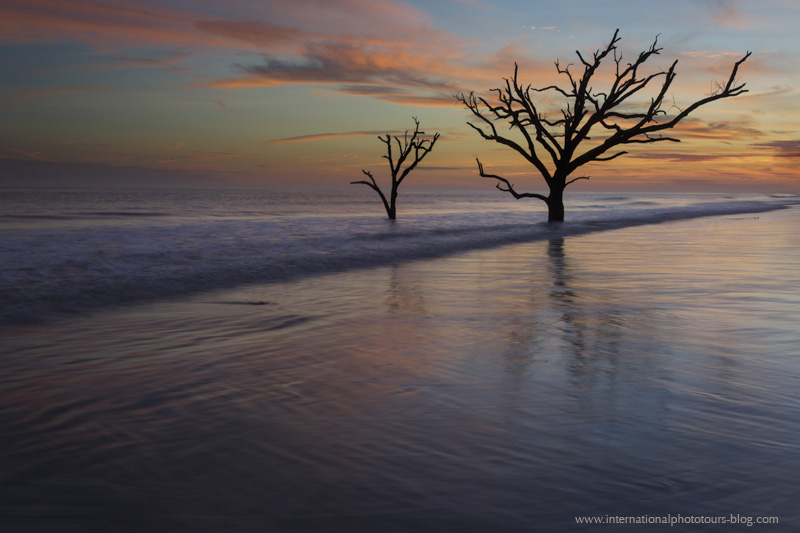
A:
(611, 115)
(415, 147)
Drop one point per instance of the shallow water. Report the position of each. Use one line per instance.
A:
(645, 370)
(80, 250)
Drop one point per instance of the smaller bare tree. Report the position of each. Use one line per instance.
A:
(414, 146)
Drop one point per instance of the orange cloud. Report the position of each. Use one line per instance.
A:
(396, 72)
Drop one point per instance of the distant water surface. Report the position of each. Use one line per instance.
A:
(644, 370)
(76, 250)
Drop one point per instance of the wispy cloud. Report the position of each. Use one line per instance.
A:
(695, 128)
(323, 137)
(67, 89)
(349, 63)
(401, 96)
(33, 155)
(106, 23)
(711, 54)
(257, 33)
(725, 12)
(781, 148)
(675, 157)
(169, 61)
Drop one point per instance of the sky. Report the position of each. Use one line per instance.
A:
(296, 92)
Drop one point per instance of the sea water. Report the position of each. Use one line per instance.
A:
(489, 372)
(72, 250)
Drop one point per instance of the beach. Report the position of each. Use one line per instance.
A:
(648, 370)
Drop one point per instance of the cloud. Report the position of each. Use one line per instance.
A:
(683, 157)
(34, 155)
(167, 61)
(724, 12)
(220, 104)
(257, 33)
(711, 54)
(364, 62)
(397, 95)
(782, 148)
(323, 137)
(111, 22)
(395, 72)
(373, 43)
(386, 46)
(340, 135)
(693, 128)
(70, 88)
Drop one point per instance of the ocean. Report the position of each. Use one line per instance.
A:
(74, 250)
(207, 360)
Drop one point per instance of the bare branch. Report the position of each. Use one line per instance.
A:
(509, 187)
(576, 179)
(610, 157)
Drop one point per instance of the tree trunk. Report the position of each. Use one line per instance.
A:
(555, 205)
(392, 209)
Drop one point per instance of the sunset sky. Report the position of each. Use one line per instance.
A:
(295, 92)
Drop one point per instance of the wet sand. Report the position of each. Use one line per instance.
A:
(643, 371)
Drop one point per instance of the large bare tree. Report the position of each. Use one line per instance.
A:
(596, 121)
(416, 147)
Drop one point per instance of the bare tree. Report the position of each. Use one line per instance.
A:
(414, 146)
(550, 142)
